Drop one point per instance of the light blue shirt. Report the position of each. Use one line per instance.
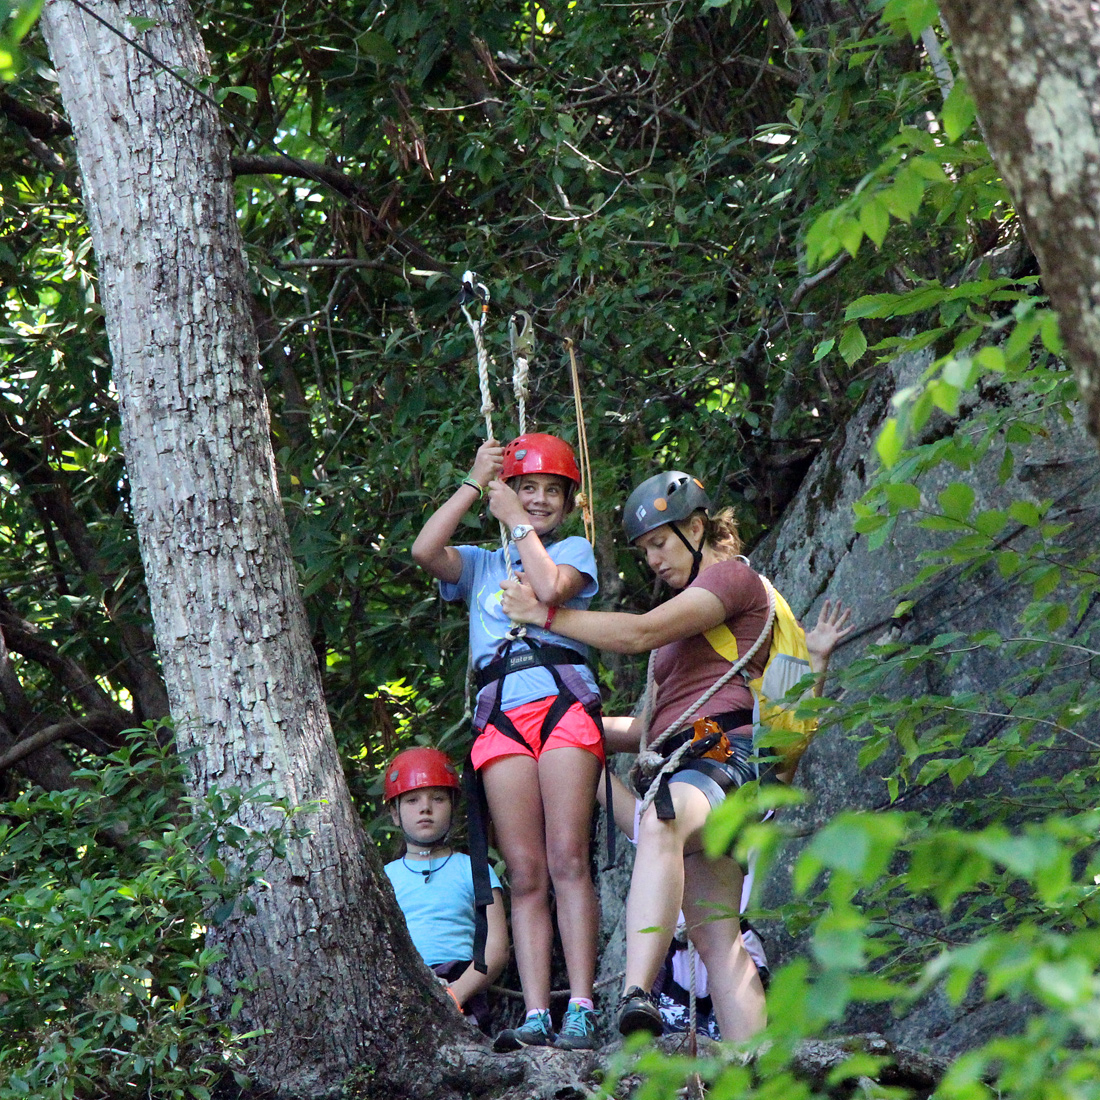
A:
(479, 586)
(439, 910)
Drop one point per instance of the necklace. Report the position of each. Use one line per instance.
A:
(428, 873)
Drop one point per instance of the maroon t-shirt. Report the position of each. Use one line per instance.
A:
(685, 669)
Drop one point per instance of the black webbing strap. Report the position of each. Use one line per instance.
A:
(537, 656)
(477, 822)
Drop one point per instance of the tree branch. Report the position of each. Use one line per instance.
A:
(342, 184)
(100, 725)
(22, 638)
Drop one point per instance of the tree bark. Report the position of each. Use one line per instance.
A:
(1033, 67)
(334, 978)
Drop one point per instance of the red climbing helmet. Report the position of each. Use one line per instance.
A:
(419, 767)
(539, 453)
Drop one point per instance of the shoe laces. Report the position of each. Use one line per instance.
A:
(541, 1022)
(578, 1020)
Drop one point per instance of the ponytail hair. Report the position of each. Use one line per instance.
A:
(720, 533)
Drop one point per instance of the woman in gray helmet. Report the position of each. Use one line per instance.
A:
(669, 518)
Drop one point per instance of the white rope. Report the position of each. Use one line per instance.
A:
(521, 335)
(648, 756)
(692, 1013)
(471, 290)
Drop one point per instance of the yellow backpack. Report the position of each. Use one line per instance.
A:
(774, 721)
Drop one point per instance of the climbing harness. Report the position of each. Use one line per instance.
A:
(523, 454)
(652, 766)
(561, 662)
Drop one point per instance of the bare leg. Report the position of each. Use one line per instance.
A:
(712, 891)
(657, 884)
(515, 803)
(568, 777)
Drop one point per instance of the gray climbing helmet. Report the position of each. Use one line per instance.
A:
(668, 497)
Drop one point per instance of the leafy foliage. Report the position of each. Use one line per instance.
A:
(106, 984)
(739, 213)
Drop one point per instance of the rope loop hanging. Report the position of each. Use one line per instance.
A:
(475, 291)
(521, 337)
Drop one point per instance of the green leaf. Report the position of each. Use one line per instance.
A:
(957, 500)
(903, 494)
(861, 845)
(875, 219)
(1025, 512)
(852, 344)
(904, 196)
(243, 90)
(958, 111)
(1046, 582)
(378, 47)
(889, 444)
(850, 233)
(915, 15)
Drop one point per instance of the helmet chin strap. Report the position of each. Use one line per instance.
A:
(426, 849)
(695, 551)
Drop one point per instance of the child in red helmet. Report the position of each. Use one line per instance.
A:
(539, 749)
(434, 883)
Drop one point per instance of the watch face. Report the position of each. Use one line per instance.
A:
(520, 530)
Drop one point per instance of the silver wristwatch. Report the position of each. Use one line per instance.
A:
(520, 531)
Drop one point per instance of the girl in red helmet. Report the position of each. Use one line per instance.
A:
(434, 884)
(539, 749)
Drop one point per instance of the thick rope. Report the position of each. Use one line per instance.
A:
(693, 1033)
(472, 290)
(649, 756)
(585, 497)
(521, 335)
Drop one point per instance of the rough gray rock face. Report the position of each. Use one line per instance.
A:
(815, 554)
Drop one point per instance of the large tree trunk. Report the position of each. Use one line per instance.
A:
(1033, 67)
(336, 980)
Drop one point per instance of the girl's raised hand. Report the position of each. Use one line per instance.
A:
(488, 462)
(504, 503)
(520, 603)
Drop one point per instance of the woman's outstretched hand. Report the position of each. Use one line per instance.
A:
(520, 603)
(833, 624)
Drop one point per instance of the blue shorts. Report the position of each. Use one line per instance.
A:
(716, 779)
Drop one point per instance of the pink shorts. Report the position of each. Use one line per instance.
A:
(575, 729)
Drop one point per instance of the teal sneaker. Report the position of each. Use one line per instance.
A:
(535, 1031)
(578, 1029)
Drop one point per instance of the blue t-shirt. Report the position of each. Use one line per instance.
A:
(439, 909)
(479, 586)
